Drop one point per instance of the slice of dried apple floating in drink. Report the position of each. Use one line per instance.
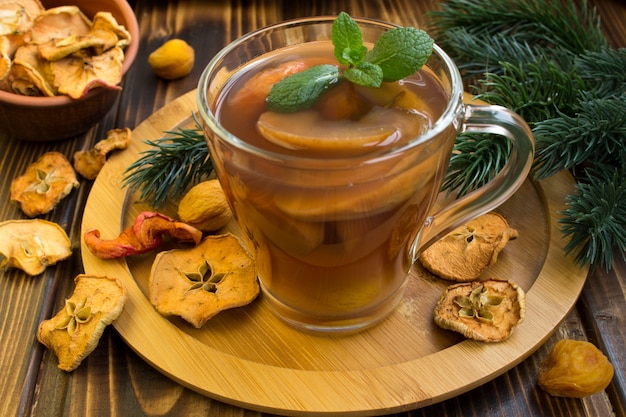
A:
(32, 245)
(44, 184)
(198, 283)
(309, 130)
(487, 311)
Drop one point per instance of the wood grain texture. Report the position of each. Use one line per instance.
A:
(115, 380)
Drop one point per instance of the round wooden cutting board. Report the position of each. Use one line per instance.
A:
(249, 358)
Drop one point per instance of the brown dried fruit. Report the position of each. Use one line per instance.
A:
(63, 52)
(174, 59)
(73, 333)
(198, 283)
(574, 368)
(89, 163)
(145, 235)
(44, 184)
(463, 254)
(32, 245)
(487, 311)
(205, 207)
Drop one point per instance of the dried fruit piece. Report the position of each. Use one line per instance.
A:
(73, 333)
(63, 52)
(44, 184)
(59, 23)
(29, 67)
(143, 236)
(574, 368)
(32, 245)
(198, 283)
(78, 73)
(463, 254)
(89, 163)
(16, 17)
(487, 311)
(174, 59)
(205, 207)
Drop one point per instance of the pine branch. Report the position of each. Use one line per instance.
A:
(476, 159)
(540, 22)
(550, 62)
(172, 164)
(596, 220)
(596, 132)
(536, 90)
(603, 71)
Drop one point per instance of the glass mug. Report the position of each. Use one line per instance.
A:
(335, 233)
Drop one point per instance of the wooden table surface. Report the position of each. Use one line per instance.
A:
(114, 380)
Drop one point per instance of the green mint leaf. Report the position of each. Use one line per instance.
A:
(352, 56)
(365, 74)
(400, 52)
(299, 91)
(347, 40)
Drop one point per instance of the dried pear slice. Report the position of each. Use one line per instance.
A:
(74, 332)
(487, 311)
(198, 283)
(32, 245)
(463, 254)
(308, 130)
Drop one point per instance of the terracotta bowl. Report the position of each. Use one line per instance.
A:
(61, 117)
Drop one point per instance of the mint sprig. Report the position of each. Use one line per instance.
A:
(397, 53)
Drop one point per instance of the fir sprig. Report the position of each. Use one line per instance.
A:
(597, 133)
(478, 157)
(595, 219)
(550, 62)
(169, 166)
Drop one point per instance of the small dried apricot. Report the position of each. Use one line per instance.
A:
(174, 59)
(574, 368)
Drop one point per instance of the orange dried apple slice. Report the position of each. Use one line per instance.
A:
(44, 184)
(59, 23)
(463, 254)
(75, 75)
(198, 283)
(16, 17)
(74, 332)
(486, 311)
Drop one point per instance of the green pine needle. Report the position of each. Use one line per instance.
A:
(549, 61)
(171, 165)
(476, 159)
(596, 220)
(595, 133)
(535, 90)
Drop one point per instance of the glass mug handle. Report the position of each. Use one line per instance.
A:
(484, 119)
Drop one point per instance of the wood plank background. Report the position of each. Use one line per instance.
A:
(114, 380)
